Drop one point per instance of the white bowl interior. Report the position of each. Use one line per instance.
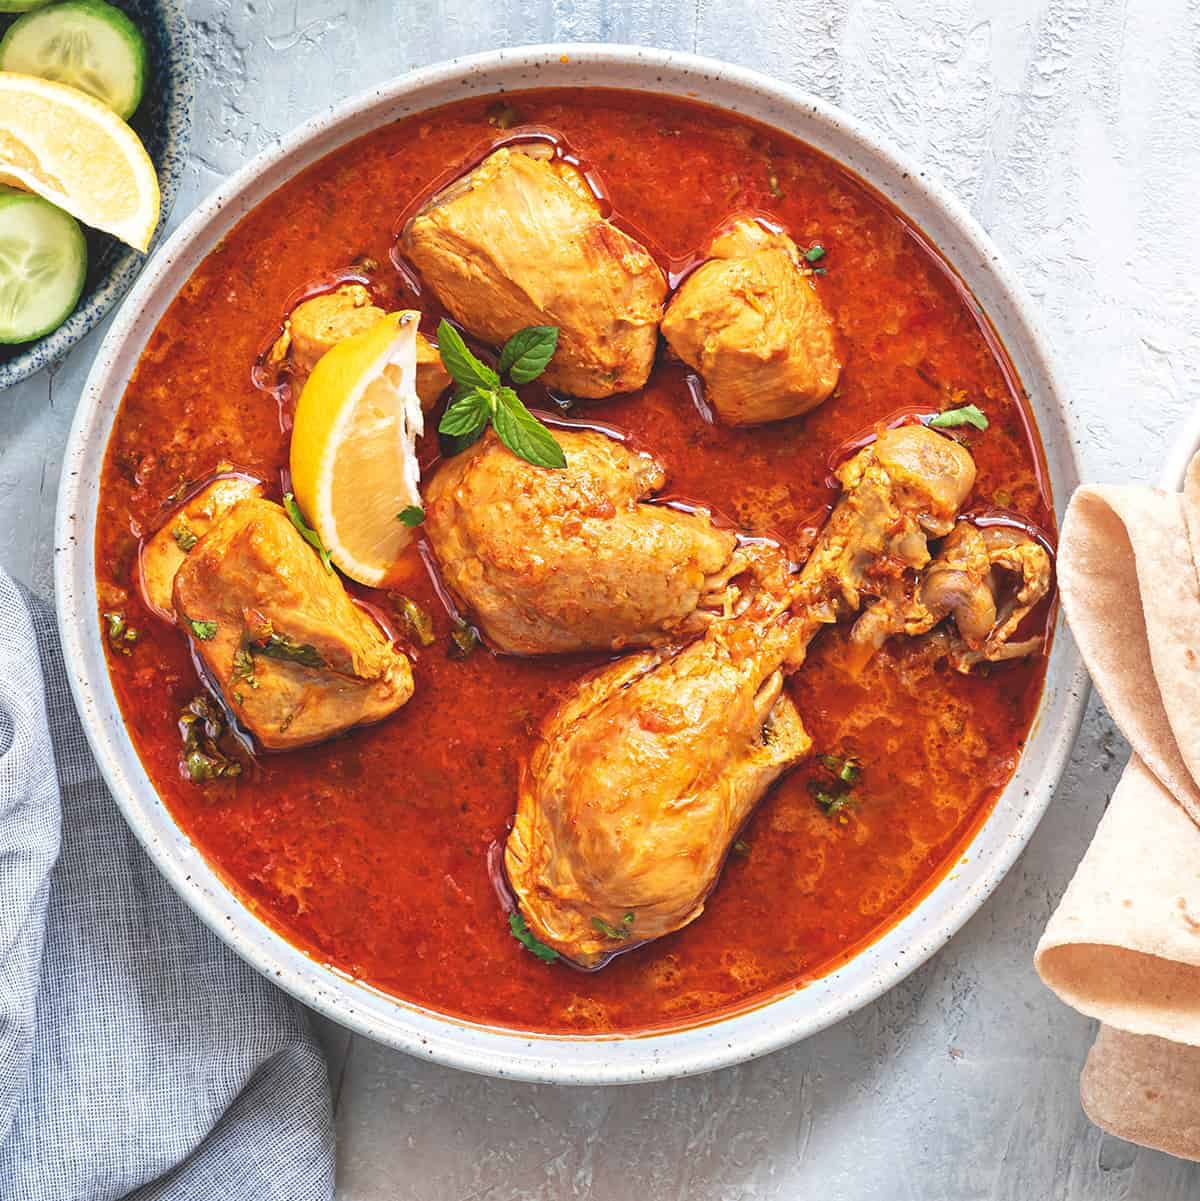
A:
(481, 1049)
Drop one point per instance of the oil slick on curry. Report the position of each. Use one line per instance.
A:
(675, 555)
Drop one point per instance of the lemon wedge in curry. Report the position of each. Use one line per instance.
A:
(77, 153)
(353, 459)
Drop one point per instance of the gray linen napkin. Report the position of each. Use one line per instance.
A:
(139, 1057)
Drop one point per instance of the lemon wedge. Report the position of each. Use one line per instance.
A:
(353, 458)
(75, 152)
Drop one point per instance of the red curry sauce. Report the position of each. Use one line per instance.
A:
(371, 851)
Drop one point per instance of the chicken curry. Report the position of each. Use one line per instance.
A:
(579, 561)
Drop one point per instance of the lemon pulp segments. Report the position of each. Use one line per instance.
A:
(70, 149)
(353, 455)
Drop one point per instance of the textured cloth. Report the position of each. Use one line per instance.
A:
(139, 1057)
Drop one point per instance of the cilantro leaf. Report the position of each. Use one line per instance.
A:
(521, 932)
(185, 537)
(411, 515)
(206, 631)
(847, 768)
(466, 370)
(967, 415)
(280, 646)
(619, 933)
(305, 530)
(417, 621)
(527, 352)
(463, 641)
(243, 667)
(523, 433)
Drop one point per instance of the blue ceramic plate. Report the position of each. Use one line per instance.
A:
(163, 121)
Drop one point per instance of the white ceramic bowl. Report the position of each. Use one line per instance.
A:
(408, 1027)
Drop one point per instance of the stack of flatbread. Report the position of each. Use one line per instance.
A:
(1124, 944)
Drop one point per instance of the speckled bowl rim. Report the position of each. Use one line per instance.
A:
(125, 267)
(488, 1050)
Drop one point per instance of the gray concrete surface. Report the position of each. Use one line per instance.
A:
(1072, 129)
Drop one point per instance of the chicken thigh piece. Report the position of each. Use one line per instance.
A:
(642, 780)
(751, 323)
(550, 561)
(318, 324)
(163, 553)
(295, 659)
(644, 774)
(521, 241)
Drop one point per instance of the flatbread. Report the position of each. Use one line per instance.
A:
(1124, 944)
(1130, 592)
(1144, 1089)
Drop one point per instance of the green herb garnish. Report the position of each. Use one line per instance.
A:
(463, 640)
(201, 725)
(280, 646)
(417, 621)
(206, 631)
(305, 530)
(620, 932)
(836, 798)
(831, 803)
(243, 668)
(121, 635)
(502, 115)
(846, 769)
(179, 491)
(815, 253)
(411, 516)
(952, 418)
(523, 935)
(528, 352)
(481, 397)
(185, 537)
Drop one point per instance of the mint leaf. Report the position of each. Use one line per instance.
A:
(465, 368)
(411, 515)
(523, 935)
(305, 530)
(467, 414)
(527, 352)
(523, 433)
(952, 418)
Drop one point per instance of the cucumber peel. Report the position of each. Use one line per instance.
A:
(87, 44)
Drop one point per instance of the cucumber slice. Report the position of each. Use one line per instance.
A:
(85, 43)
(43, 263)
